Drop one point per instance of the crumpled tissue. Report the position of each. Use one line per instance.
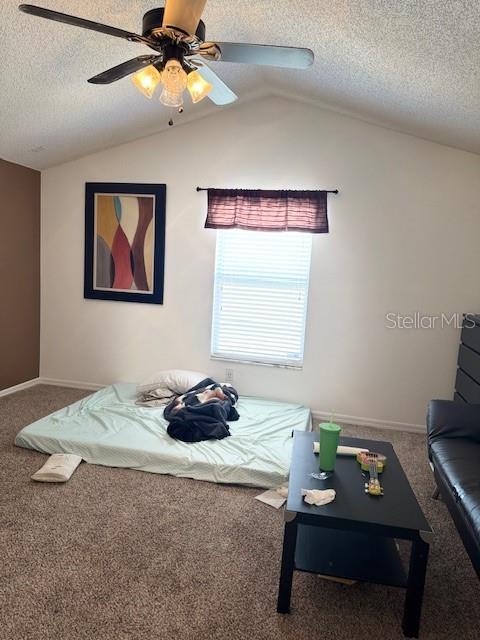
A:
(318, 497)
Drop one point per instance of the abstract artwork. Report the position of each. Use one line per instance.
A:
(124, 241)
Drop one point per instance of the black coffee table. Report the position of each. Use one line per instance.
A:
(354, 536)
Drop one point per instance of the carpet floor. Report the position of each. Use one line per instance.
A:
(122, 554)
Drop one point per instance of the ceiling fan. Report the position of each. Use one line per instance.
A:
(177, 35)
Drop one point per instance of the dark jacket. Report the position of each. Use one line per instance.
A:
(195, 416)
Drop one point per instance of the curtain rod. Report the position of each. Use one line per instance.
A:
(326, 190)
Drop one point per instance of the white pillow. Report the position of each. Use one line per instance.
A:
(177, 380)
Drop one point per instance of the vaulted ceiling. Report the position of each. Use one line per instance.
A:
(412, 65)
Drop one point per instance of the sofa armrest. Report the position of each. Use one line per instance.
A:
(449, 419)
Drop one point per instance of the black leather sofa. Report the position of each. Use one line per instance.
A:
(454, 450)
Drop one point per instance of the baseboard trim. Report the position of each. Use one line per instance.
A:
(71, 384)
(370, 422)
(317, 416)
(19, 387)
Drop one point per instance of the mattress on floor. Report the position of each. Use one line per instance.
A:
(108, 428)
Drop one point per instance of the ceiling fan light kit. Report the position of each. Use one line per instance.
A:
(174, 80)
(170, 99)
(147, 80)
(177, 35)
(197, 86)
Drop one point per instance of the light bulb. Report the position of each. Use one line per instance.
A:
(146, 80)
(197, 86)
(170, 99)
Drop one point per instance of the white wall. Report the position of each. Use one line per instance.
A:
(404, 237)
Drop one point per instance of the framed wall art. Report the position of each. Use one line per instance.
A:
(124, 241)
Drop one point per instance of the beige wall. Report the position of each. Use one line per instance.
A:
(403, 238)
(20, 273)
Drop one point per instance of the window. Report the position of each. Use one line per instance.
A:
(260, 296)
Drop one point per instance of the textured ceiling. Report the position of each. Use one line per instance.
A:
(413, 65)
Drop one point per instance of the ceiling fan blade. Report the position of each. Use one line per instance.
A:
(122, 70)
(85, 24)
(183, 15)
(290, 57)
(220, 94)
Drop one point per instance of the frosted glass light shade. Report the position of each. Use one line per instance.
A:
(170, 99)
(174, 77)
(146, 80)
(197, 86)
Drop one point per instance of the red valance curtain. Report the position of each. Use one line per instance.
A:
(262, 210)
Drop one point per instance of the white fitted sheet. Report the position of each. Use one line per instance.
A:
(108, 428)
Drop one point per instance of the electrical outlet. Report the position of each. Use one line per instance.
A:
(229, 375)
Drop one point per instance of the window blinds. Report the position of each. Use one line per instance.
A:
(260, 296)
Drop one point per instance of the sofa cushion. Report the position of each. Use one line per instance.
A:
(447, 419)
(457, 460)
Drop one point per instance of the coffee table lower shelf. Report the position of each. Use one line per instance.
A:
(349, 555)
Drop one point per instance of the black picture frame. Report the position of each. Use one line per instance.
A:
(158, 191)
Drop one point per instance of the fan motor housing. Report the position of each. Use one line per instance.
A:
(153, 20)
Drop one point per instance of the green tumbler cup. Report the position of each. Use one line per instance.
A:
(329, 437)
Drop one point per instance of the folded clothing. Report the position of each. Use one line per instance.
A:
(58, 468)
(158, 397)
